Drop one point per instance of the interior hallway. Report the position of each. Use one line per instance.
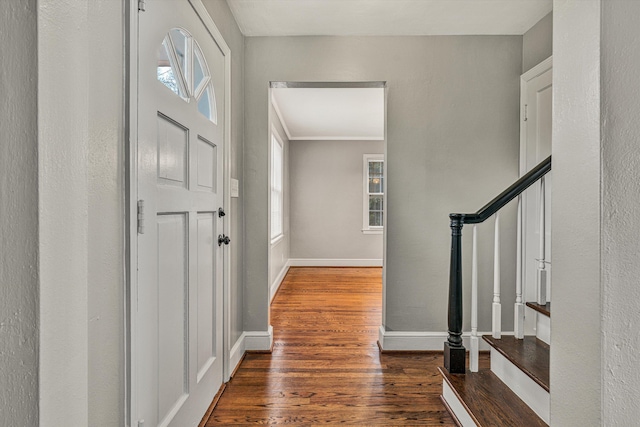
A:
(326, 367)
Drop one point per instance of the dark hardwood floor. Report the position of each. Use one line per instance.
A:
(326, 368)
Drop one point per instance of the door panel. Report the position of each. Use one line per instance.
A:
(207, 161)
(180, 265)
(173, 149)
(206, 298)
(173, 319)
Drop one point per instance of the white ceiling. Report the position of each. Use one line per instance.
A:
(330, 113)
(386, 17)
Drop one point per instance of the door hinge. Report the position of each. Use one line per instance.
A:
(525, 112)
(140, 216)
(142, 5)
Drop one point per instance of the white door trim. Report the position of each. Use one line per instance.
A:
(131, 197)
(539, 69)
(525, 79)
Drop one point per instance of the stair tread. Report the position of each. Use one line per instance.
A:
(530, 354)
(541, 308)
(489, 401)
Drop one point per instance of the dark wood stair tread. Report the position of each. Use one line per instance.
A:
(530, 354)
(544, 309)
(489, 401)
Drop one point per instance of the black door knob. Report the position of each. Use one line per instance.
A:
(223, 239)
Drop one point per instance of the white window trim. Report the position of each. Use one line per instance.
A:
(366, 229)
(275, 137)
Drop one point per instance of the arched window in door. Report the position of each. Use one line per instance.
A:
(183, 69)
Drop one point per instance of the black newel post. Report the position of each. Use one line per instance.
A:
(454, 351)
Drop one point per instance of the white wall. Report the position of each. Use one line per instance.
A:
(106, 201)
(620, 202)
(327, 201)
(63, 155)
(452, 131)
(18, 215)
(576, 377)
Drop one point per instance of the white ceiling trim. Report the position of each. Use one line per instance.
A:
(337, 138)
(387, 17)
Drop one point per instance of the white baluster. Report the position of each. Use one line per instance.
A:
(474, 350)
(518, 311)
(496, 307)
(542, 272)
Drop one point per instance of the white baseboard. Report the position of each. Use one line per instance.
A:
(278, 280)
(258, 340)
(237, 351)
(248, 341)
(543, 328)
(327, 262)
(521, 384)
(423, 341)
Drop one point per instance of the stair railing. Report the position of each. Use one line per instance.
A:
(454, 350)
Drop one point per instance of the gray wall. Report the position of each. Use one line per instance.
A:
(575, 374)
(224, 20)
(18, 216)
(620, 200)
(453, 142)
(537, 43)
(326, 200)
(280, 251)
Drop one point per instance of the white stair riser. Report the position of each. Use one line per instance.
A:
(543, 328)
(456, 406)
(521, 384)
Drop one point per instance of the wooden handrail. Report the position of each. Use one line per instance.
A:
(454, 351)
(507, 195)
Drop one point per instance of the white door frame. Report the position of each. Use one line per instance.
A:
(131, 197)
(543, 67)
(539, 69)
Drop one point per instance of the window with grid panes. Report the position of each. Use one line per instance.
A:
(277, 197)
(373, 215)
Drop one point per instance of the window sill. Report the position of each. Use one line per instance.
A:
(277, 239)
(372, 231)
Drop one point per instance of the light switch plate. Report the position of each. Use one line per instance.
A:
(234, 187)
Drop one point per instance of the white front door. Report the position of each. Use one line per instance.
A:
(537, 97)
(179, 352)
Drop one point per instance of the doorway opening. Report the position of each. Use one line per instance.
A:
(327, 171)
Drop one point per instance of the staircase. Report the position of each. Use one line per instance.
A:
(515, 390)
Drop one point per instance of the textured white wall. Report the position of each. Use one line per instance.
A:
(63, 104)
(18, 215)
(575, 324)
(621, 213)
(106, 197)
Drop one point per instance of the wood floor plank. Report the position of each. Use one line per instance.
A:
(326, 368)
